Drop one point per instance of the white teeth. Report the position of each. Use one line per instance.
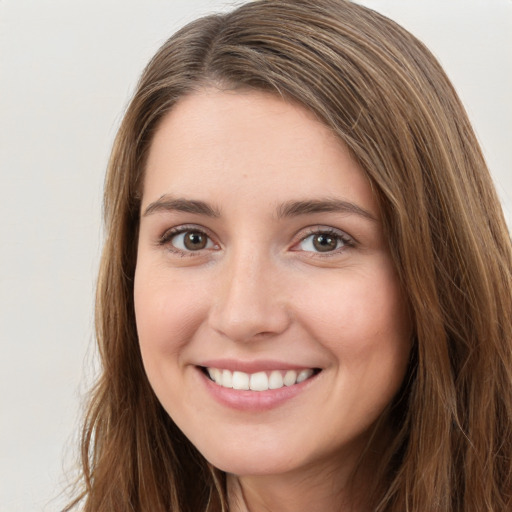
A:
(227, 378)
(303, 375)
(290, 378)
(215, 374)
(276, 380)
(259, 381)
(240, 380)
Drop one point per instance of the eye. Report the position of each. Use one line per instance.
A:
(187, 240)
(324, 241)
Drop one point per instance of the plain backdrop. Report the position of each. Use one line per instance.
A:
(67, 70)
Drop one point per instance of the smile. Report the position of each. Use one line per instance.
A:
(259, 381)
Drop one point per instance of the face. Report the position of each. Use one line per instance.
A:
(271, 322)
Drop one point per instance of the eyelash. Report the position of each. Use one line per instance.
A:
(346, 240)
(167, 237)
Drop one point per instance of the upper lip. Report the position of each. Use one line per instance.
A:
(253, 366)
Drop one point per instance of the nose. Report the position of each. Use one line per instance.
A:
(250, 302)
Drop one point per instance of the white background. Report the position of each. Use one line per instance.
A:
(67, 69)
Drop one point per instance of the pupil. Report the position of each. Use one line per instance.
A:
(324, 243)
(195, 241)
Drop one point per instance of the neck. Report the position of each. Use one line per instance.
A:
(295, 493)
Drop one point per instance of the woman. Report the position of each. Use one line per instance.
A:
(304, 300)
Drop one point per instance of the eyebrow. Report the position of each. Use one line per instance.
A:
(166, 203)
(296, 208)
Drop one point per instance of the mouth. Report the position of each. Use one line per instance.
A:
(259, 381)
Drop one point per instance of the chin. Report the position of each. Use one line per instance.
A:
(260, 467)
(256, 460)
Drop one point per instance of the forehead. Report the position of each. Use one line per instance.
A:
(227, 142)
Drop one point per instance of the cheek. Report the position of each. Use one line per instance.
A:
(364, 324)
(359, 317)
(167, 313)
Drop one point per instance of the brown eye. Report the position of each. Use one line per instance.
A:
(190, 240)
(323, 242)
(195, 240)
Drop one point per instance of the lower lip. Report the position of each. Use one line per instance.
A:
(244, 400)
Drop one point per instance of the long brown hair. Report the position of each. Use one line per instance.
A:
(382, 92)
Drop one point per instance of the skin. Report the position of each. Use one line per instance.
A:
(260, 290)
